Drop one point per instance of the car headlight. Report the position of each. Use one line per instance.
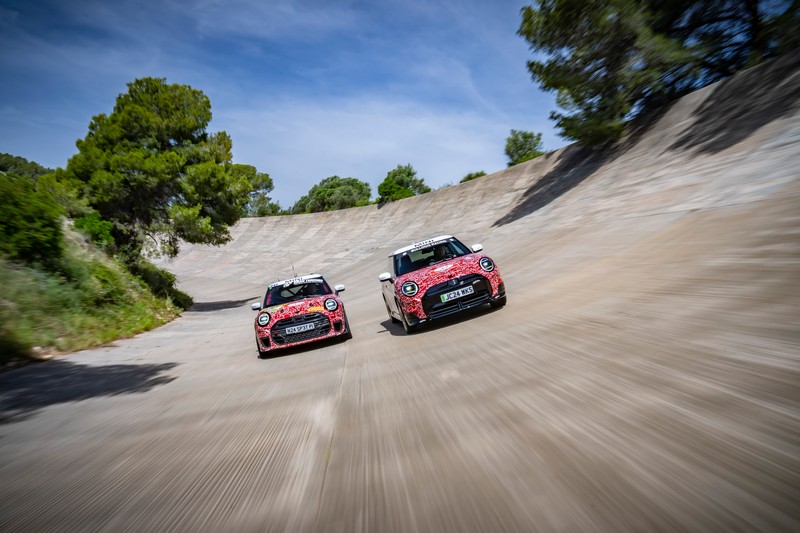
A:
(409, 288)
(331, 304)
(486, 264)
(263, 319)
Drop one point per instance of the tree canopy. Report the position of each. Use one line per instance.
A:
(259, 203)
(401, 182)
(472, 176)
(30, 222)
(610, 60)
(334, 193)
(523, 146)
(20, 166)
(152, 169)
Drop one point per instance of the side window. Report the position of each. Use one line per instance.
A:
(392, 270)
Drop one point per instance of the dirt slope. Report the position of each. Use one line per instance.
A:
(644, 375)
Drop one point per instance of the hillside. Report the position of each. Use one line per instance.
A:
(643, 376)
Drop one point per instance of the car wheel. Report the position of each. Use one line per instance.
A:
(499, 303)
(409, 329)
(349, 332)
(389, 312)
(261, 353)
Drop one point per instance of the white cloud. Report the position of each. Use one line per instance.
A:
(276, 19)
(306, 89)
(300, 143)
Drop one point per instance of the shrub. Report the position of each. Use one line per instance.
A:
(161, 283)
(472, 175)
(30, 223)
(97, 229)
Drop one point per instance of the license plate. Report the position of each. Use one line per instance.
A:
(297, 329)
(452, 295)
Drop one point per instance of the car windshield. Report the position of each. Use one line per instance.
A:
(435, 253)
(296, 290)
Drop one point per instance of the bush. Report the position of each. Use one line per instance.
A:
(161, 283)
(30, 223)
(334, 193)
(42, 311)
(11, 348)
(472, 176)
(97, 229)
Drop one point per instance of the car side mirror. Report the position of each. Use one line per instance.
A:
(338, 288)
(255, 306)
(477, 247)
(384, 277)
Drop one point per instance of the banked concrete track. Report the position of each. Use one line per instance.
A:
(644, 376)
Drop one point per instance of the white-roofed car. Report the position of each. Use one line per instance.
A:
(298, 311)
(439, 277)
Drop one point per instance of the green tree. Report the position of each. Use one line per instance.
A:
(334, 193)
(401, 182)
(523, 146)
(259, 203)
(611, 60)
(152, 169)
(30, 223)
(262, 206)
(472, 176)
(20, 166)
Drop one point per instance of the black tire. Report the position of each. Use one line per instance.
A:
(261, 353)
(389, 312)
(349, 332)
(497, 304)
(408, 328)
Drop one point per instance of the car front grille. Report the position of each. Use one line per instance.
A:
(322, 327)
(434, 307)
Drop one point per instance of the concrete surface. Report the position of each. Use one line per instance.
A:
(644, 375)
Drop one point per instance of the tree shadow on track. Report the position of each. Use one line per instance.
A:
(206, 307)
(735, 109)
(575, 165)
(25, 391)
(743, 103)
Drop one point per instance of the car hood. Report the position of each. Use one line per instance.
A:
(440, 272)
(300, 307)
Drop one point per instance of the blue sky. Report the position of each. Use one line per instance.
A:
(306, 89)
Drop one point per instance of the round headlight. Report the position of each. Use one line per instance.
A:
(331, 304)
(487, 264)
(409, 288)
(263, 319)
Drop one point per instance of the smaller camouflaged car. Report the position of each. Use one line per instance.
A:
(436, 278)
(299, 310)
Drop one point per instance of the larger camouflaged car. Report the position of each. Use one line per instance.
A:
(438, 277)
(297, 311)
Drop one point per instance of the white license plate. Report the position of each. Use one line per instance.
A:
(452, 295)
(297, 329)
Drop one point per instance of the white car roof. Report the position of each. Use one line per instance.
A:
(310, 278)
(422, 244)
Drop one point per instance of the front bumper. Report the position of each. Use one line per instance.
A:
(322, 326)
(429, 306)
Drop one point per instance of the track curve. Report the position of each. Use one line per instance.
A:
(643, 376)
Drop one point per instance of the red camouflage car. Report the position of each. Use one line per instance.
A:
(436, 278)
(297, 311)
